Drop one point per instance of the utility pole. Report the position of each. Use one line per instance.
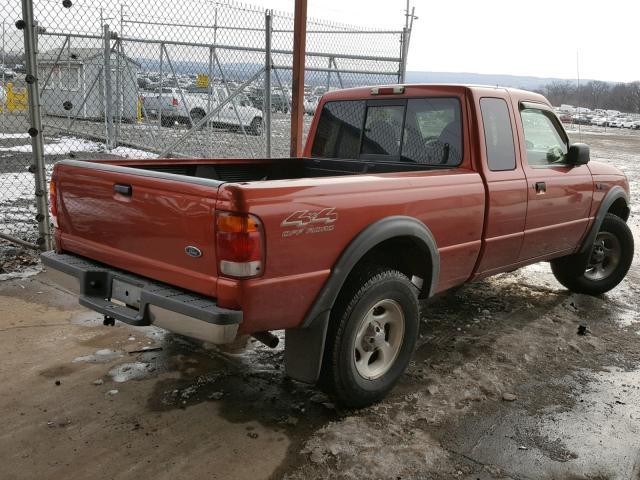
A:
(297, 104)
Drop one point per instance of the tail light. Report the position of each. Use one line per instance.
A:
(239, 244)
(53, 202)
(174, 101)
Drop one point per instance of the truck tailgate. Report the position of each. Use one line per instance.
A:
(158, 225)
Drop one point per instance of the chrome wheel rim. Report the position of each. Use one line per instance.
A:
(605, 257)
(378, 339)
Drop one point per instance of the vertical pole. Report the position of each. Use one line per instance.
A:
(297, 107)
(35, 131)
(4, 84)
(210, 97)
(403, 46)
(329, 75)
(160, 102)
(403, 59)
(266, 98)
(119, 95)
(108, 98)
(69, 80)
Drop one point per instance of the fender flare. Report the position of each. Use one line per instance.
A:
(305, 344)
(612, 195)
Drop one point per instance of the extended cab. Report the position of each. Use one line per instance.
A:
(403, 192)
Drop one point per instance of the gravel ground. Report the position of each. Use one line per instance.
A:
(501, 386)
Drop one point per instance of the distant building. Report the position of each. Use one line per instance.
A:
(79, 79)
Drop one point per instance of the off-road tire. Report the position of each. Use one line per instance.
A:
(570, 271)
(368, 287)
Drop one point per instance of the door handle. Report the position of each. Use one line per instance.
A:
(122, 189)
(541, 187)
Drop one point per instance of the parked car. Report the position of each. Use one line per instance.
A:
(615, 122)
(600, 121)
(279, 102)
(402, 192)
(581, 119)
(7, 73)
(636, 125)
(310, 104)
(626, 123)
(176, 105)
(565, 118)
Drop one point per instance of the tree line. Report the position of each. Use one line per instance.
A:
(624, 97)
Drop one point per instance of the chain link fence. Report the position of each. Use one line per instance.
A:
(150, 79)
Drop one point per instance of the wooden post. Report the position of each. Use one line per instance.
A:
(297, 101)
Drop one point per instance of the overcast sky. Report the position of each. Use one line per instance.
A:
(518, 37)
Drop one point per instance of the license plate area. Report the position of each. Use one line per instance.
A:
(126, 293)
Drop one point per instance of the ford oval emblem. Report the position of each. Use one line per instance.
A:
(193, 251)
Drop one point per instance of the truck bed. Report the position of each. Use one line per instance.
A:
(243, 170)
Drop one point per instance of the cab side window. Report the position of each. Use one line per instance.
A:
(498, 135)
(544, 141)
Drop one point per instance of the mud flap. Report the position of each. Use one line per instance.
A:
(304, 349)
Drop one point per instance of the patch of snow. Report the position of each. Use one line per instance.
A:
(65, 145)
(26, 273)
(14, 135)
(101, 356)
(130, 371)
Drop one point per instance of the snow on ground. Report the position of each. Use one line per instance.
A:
(13, 136)
(65, 145)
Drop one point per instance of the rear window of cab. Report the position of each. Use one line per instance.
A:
(426, 131)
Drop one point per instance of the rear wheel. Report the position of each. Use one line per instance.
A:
(256, 127)
(608, 263)
(371, 337)
(197, 116)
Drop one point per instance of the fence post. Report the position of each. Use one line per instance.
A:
(403, 56)
(266, 98)
(108, 96)
(44, 240)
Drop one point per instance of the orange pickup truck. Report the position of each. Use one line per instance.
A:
(403, 192)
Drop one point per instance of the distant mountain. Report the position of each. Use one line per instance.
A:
(517, 81)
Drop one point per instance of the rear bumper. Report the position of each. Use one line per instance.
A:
(140, 301)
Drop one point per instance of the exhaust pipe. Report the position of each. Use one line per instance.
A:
(267, 338)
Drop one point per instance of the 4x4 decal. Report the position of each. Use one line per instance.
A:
(309, 221)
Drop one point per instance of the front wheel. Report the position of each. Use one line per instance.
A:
(609, 260)
(371, 337)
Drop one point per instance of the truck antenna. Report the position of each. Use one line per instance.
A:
(578, 74)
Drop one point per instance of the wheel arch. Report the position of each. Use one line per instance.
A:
(616, 201)
(377, 242)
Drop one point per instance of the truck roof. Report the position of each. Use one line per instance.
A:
(413, 89)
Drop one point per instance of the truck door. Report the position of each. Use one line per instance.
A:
(506, 185)
(559, 194)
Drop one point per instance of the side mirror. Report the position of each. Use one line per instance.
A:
(578, 154)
